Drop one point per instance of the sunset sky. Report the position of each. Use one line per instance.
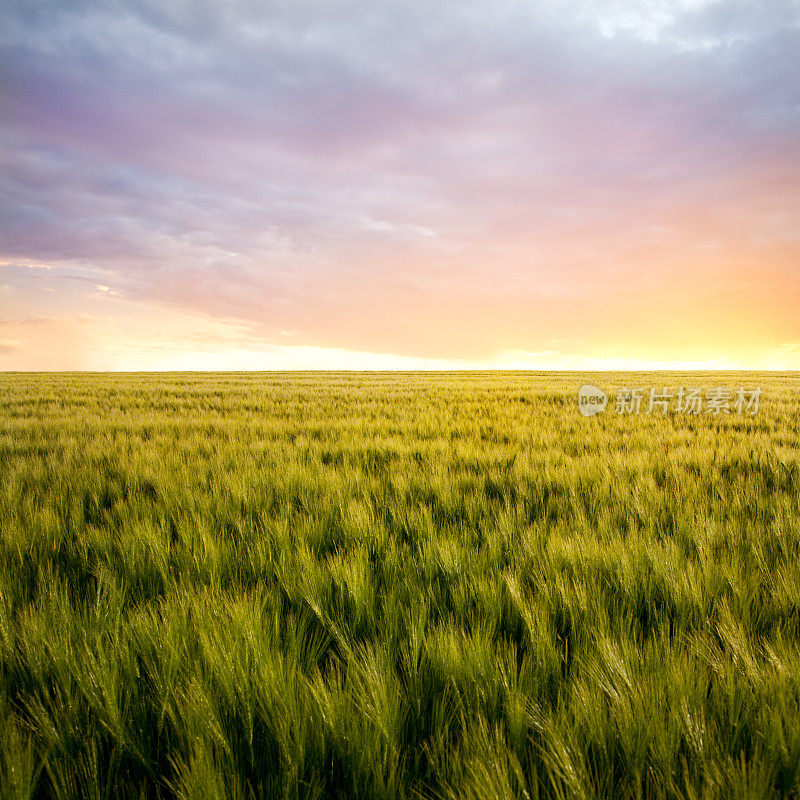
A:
(399, 184)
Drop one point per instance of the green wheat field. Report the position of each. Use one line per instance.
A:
(395, 585)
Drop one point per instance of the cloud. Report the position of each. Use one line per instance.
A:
(82, 319)
(441, 182)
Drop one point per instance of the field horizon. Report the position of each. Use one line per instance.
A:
(610, 374)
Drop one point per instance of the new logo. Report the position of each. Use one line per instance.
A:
(591, 400)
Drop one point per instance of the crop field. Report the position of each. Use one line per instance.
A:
(395, 585)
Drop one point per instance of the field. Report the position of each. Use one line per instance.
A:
(395, 586)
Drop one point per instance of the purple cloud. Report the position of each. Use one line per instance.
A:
(399, 178)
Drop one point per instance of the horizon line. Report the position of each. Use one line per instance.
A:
(677, 370)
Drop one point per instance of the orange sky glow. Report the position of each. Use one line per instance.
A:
(592, 185)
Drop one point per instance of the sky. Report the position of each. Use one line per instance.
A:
(399, 184)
